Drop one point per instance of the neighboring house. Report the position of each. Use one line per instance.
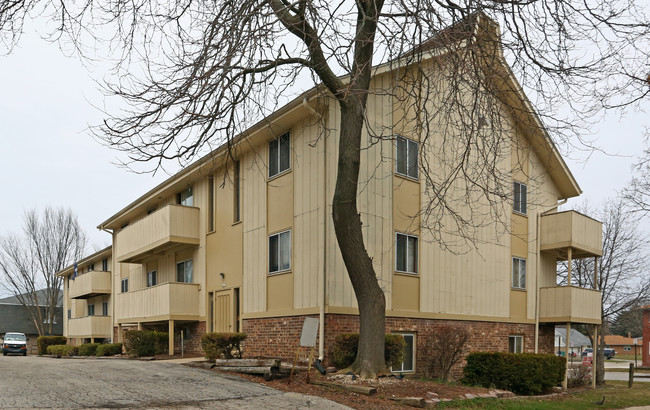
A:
(249, 245)
(624, 345)
(14, 317)
(577, 341)
(87, 299)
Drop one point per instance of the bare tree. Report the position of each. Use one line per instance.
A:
(197, 73)
(49, 243)
(623, 277)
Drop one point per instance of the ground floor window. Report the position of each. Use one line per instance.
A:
(125, 285)
(152, 278)
(408, 365)
(515, 344)
(627, 348)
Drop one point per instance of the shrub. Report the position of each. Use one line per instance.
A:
(579, 376)
(88, 349)
(443, 350)
(62, 350)
(109, 349)
(44, 341)
(145, 342)
(226, 345)
(524, 373)
(346, 346)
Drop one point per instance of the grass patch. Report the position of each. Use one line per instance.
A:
(617, 395)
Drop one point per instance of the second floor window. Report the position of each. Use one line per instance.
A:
(125, 285)
(280, 252)
(406, 157)
(184, 271)
(520, 197)
(91, 310)
(406, 253)
(91, 267)
(151, 278)
(185, 197)
(279, 150)
(69, 314)
(105, 308)
(105, 265)
(518, 273)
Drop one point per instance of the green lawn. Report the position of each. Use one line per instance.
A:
(617, 396)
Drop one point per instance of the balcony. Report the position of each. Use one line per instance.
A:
(168, 227)
(90, 284)
(172, 300)
(90, 326)
(571, 230)
(561, 304)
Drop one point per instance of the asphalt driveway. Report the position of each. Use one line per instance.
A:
(28, 382)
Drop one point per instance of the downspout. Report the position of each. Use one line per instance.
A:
(538, 267)
(323, 297)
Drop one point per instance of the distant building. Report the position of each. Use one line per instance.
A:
(577, 341)
(14, 317)
(624, 345)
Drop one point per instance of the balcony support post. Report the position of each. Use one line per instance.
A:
(171, 337)
(568, 276)
(594, 356)
(566, 355)
(139, 325)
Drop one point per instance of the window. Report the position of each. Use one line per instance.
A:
(279, 150)
(521, 198)
(627, 348)
(518, 273)
(91, 310)
(407, 157)
(280, 252)
(515, 344)
(406, 253)
(105, 308)
(69, 314)
(185, 197)
(236, 193)
(151, 278)
(125, 285)
(184, 271)
(91, 267)
(409, 355)
(105, 265)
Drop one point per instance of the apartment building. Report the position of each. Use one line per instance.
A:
(87, 299)
(244, 241)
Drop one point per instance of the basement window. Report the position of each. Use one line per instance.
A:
(515, 344)
(408, 365)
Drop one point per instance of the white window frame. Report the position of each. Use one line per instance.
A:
(152, 278)
(185, 278)
(124, 285)
(520, 199)
(401, 369)
(518, 344)
(406, 252)
(275, 164)
(411, 171)
(627, 348)
(284, 235)
(516, 261)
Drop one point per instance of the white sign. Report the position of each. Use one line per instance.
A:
(309, 332)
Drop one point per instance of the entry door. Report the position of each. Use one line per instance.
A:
(223, 311)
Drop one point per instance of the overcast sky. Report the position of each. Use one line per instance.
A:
(48, 157)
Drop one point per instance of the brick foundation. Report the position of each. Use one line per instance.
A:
(279, 337)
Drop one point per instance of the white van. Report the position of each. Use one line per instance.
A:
(14, 343)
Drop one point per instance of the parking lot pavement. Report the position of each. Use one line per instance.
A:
(31, 381)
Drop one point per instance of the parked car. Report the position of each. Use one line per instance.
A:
(609, 353)
(14, 343)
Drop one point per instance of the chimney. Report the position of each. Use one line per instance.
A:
(629, 334)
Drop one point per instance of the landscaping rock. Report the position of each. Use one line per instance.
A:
(504, 394)
(432, 395)
(430, 403)
(470, 396)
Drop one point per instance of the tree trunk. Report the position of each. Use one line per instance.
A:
(347, 225)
